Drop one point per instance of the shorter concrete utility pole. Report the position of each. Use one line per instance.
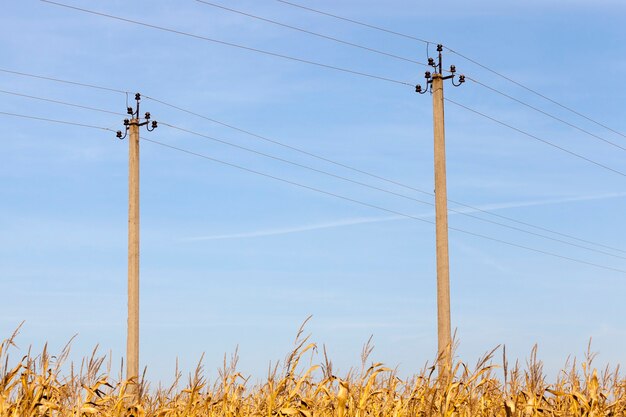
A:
(444, 334)
(132, 340)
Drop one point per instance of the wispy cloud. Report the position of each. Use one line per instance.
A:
(297, 229)
(381, 219)
(548, 202)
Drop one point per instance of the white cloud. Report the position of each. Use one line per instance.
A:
(297, 229)
(369, 220)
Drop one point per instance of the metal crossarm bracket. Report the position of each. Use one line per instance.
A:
(136, 120)
(438, 67)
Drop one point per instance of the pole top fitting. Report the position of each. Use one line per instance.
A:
(135, 119)
(437, 72)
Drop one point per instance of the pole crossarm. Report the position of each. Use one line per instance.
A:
(135, 120)
(434, 84)
(438, 67)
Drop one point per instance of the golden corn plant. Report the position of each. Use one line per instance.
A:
(34, 387)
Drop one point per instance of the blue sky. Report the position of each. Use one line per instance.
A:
(232, 259)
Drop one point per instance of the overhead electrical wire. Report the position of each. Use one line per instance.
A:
(390, 181)
(411, 61)
(530, 135)
(427, 42)
(44, 119)
(98, 87)
(234, 45)
(354, 72)
(398, 213)
(65, 103)
(356, 22)
(281, 179)
(331, 38)
(543, 96)
(495, 90)
(307, 167)
(329, 193)
(327, 173)
(230, 126)
(319, 171)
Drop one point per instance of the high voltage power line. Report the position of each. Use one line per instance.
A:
(333, 194)
(477, 209)
(483, 66)
(319, 171)
(65, 103)
(337, 195)
(543, 96)
(518, 130)
(390, 181)
(320, 35)
(360, 73)
(377, 51)
(354, 72)
(362, 47)
(231, 44)
(351, 168)
(64, 122)
(393, 32)
(530, 135)
(565, 122)
(335, 68)
(379, 207)
(41, 77)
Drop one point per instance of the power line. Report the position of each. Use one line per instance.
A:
(56, 121)
(545, 113)
(234, 45)
(379, 207)
(584, 158)
(276, 158)
(390, 181)
(328, 193)
(331, 38)
(356, 22)
(63, 81)
(541, 228)
(403, 35)
(329, 174)
(61, 102)
(411, 61)
(535, 92)
(230, 126)
(467, 77)
(319, 171)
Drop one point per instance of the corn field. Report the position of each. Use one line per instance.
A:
(298, 387)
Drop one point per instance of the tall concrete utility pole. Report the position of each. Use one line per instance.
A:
(132, 340)
(444, 333)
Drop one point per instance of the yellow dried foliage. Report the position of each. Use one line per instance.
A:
(34, 388)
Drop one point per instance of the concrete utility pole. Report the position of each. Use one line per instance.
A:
(441, 210)
(132, 341)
